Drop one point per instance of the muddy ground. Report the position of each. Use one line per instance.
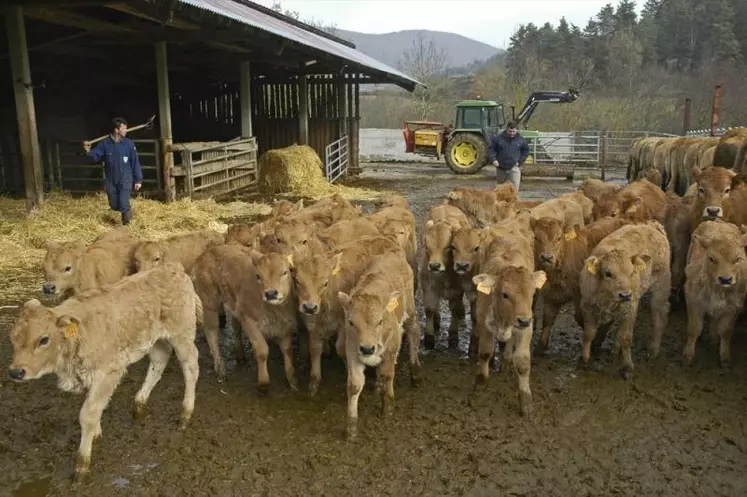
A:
(670, 431)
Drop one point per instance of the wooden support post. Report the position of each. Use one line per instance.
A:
(25, 109)
(353, 139)
(603, 155)
(303, 110)
(686, 120)
(164, 120)
(245, 97)
(716, 110)
(341, 107)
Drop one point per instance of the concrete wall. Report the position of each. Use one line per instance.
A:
(386, 145)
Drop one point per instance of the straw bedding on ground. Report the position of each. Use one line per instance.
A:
(63, 218)
(298, 170)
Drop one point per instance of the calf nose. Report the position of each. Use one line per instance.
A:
(48, 288)
(16, 374)
(461, 266)
(367, 349)
(713, 211)
(546, 257)
(626, 297)
(271, 294)
(523, 322)
(725, 280)
(310, 308)
(434, 266)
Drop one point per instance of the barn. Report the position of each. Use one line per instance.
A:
(226, 80)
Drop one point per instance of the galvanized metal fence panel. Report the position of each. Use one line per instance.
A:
(336, 156)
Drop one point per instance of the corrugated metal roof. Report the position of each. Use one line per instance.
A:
(252, 17)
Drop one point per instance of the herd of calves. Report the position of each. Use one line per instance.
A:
(348, 280)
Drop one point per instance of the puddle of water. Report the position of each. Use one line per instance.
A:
(35, 488)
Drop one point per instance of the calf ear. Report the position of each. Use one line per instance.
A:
(484, 282)
(68, 325)
(540, 278)
(344, 299)
(256, 256)
(429, 223)
(51, 245)
(31, 305)
(592, 265)
(454, 195)
(739, 179)
(299, 205)
(640, 261)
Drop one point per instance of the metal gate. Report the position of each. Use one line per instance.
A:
(336, 159)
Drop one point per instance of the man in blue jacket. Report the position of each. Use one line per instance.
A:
(121, 166)
(507, 152)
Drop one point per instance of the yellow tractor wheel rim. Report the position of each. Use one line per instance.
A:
(530, 160)
(464, 154)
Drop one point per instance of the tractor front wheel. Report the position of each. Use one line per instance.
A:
(466, 153)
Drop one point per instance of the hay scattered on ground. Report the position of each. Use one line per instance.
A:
(63, 218)
(298, 170)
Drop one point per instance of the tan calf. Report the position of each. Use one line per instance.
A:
(505, 292)
(639, 201)
(595, 188)
(257, 290)
(74, 267)
(585, 202)
(653, 175)
(327, 211)
(438, 278)
(716, 283)
(391, 200)
(399, 222)
(348, 230)
(482, 207)
(90, 339)
(378, 311)
(299, 237)
(282, 207)
(318, 281)
(183, 248)
(561, 253)
(712, 200)
(569, 210)
(622, 267)
(677, 224)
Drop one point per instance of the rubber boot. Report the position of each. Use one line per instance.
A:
(126, 217)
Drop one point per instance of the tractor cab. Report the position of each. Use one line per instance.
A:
(485, 115)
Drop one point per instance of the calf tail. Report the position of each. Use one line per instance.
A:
(199, 316)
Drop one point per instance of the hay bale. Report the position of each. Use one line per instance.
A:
(64, 218)
(297, 170)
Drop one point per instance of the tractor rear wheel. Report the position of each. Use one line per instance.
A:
(466, 153)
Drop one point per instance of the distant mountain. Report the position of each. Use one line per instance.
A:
(389, 47)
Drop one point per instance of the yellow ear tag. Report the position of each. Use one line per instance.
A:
(571, 235)
(70, 330)
(484, 288)
(591, 266)
(640, 266)
(290, 260)
(393, 304)
(336, 269)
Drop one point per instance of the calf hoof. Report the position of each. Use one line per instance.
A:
(293, 384)
(263, 389)
(687, 360)
(82, 469)
(429, 342)
(525, 404)
(627, 374)
(726, 365)
(387, 406)
(313, 388)
(480, 379)
(416, 375)
(184, 418)
(220, 377)
(139, 411)
(351, 432)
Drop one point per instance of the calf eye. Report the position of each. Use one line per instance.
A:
(727, 190)
(259, 278)
(477, 248)
(701, 190)
(350, 322)
(158, 259)
(68, 269)
(505, 295)
(43, 341)
(326, 283)
(608, 274)
(451, 247)
(285, 273)
(710, 258)
(304, 242)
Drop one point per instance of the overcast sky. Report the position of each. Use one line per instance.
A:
(489, 21)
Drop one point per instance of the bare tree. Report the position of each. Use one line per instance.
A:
(330, 28)
(427, 63)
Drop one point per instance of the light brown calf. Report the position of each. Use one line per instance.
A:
(622, 267)
(318, 281)
(714, 191)
(348, 230)
(438, 278)
(74, 267)
(379, 310)
(653, 175)
(89, 347)
(505, 292)
(639, 201)
(585, 202)
(706, 160)
(257, 290)
(561, 253)
(183, 248)
(325, 212)
(391, 200)
(399, 222)
(569, 210)
(716, 284)
(595, 188)
(299, 237)
(482, 207)
(677, 224)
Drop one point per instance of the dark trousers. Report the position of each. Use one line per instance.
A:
(119, 199)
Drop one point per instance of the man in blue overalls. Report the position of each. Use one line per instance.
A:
(122, 166)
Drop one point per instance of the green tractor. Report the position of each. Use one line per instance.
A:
(465, 147)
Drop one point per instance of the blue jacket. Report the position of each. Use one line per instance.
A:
(508, 151)
(120, 160)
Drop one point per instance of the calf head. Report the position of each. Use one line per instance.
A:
(312, 281)
(506, 192)
(39, 338)
(608, 205)
(391, 201)
(465, 247)
(714, 186)
(374, 319)
(295, 235)
(401, 232)
(617, 273)
(244, 234)
(60, 264)
(147, 255)
(284, 207)
(512, 291)
(273, 273)
(503, 211)
(549, 237)
(437, 240)
(725, 256)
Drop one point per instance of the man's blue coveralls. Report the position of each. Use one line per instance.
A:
(122, 168)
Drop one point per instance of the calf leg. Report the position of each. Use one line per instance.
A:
(187, 354)
(695, 316)
(90, 419)
(239, 346)
(261, 351)
(316, 347)
(356, 381)
(456, 306)
(386, 376)
(549, 314)
(432, 316)
(286, 345)
(473, 325)
(523, 365)
(485, 351)
(210, 327)
(159, 357)
(660, 311)
(590, 331)
(412, 329)
(724, 326)
(625, 341)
